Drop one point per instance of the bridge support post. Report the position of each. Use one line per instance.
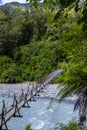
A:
(37, 93)
(3, 122)
(32, 96)
(17, 110)
(41, 88)
(28, 91)
(4, 107)
(38, 88)
(26, 104)
(14, 100)
(22, 95)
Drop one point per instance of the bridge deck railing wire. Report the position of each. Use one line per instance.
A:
(21, 97)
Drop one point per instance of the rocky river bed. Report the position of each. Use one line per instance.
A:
(50, 90)
(43, 114)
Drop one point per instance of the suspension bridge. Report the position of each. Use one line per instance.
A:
(23, 100)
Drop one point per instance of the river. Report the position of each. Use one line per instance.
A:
(42, 115)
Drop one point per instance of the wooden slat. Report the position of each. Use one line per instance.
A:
(11, 111)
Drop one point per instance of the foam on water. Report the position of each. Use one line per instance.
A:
(40, 117)
(38, 124)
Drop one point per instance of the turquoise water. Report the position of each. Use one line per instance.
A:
(8, 100)
(41, 115)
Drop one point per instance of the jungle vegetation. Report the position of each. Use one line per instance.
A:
(35, 42)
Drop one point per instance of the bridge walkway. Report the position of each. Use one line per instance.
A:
(13, 110)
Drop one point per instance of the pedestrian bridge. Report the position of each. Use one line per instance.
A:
(23, 101)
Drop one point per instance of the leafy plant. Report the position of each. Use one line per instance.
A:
(28, 127)
(72, 125)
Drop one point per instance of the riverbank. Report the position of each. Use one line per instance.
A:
(50, 90)
(44, 113)
(15, 88)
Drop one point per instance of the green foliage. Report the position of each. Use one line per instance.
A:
(60, 5)
(8, 70)
(37, 59)
(72, 125)
(28, 127)
(36, 44)
(19, 27)
(51, 4)
(74, 79)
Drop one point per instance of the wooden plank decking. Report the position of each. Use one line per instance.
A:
(5, 116)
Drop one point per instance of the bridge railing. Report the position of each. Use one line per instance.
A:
(23, 98)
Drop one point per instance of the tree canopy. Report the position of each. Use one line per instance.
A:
(35, 43)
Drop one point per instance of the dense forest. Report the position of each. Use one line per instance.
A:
(34, 43)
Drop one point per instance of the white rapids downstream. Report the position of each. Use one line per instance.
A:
(44, 114)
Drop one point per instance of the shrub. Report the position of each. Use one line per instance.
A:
(28, 127)
(72, 125)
